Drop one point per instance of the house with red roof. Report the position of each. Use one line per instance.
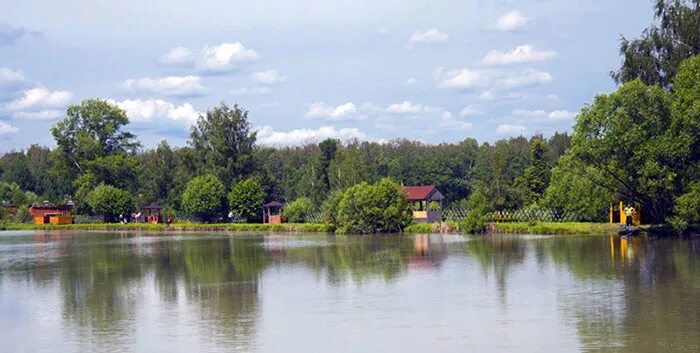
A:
(426, 201)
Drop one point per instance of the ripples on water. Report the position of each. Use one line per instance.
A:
(98, 292)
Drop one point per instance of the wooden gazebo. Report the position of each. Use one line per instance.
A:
(152, 213)
(421, 197)
(272, 212)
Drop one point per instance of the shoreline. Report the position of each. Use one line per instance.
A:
(536, 228)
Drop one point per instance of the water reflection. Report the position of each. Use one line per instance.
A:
(115, 292)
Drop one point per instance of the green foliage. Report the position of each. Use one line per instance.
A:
(246, 199)
(478, 212)
(535, 178)
(573, 189)
(299, 210)
(376, 208)
(204, 197)
(110, 201)
(329, 208)
(687, 208)
(223, 141)
(11, 193)
(434, 206)
(656, 56)
(23, 215)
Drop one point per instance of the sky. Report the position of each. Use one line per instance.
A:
(427, 70)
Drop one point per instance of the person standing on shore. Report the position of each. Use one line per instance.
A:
(629, 212)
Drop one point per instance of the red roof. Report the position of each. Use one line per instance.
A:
(417, 193)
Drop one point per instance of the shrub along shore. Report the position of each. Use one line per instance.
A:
(536, 228)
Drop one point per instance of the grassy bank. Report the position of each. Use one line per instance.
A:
(178, 227)
(555, 228)
(426, 228)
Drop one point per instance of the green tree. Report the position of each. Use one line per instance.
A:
(92, 129)
(204, 197)
(328, 149)
(329, 208)
(110, 201)
(479, 211)
(621, 137)
(224, 142)
(15, 170)
(157, 177)
(246, 199)
(299, 210)
(535, 178)
(377, 208)
(656, 56)
(573, 189)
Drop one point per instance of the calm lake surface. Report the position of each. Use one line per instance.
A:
(112, 292)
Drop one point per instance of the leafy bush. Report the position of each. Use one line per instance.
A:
(23, 215)
(204, 197)
(246, 199)
(299, 210)
(110, 201)
(377, 208)
(329, 209)
(478, 212)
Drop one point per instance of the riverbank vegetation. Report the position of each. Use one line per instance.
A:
(639, 144)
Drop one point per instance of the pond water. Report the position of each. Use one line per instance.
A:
(119, 292)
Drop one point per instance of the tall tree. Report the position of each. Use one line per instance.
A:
(224, 140)
(655, 57)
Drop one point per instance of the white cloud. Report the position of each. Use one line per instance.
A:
(178, 55)
(268, 136)
(253, 91)
(170, 85)
(151, 110)
(527, 77)
(429, 36)
(219, 58)
(41, 97)
(463, 78)
(448, 121)
(224, 57)
(405, 107)
(469, 110)
(511, 21)
(540, 114)
(8, 76)
(411, 81)
(6, 129)
(561, 115)
(509, 129)
(321, 110)
(519, 55)
(269, 77)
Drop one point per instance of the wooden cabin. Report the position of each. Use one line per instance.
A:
(47, 213)
(420, 197)
(272, 212)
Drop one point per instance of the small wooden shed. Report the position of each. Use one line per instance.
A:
(272, 212)
(421, 197)
(48, 213)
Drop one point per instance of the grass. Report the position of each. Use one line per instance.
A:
(179, 227)
(555, 228)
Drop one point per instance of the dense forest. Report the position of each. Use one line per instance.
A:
(639, 144)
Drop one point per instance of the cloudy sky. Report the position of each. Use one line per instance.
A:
(430, 70)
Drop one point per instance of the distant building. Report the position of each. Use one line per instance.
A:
(48, 213)
(421, 198)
